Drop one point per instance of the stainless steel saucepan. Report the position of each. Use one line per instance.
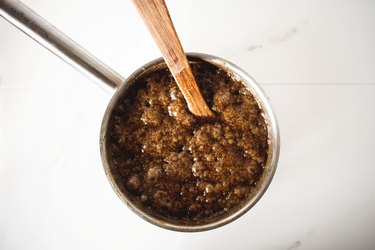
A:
(54, 40)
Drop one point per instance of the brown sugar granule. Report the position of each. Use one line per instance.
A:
(180, 166)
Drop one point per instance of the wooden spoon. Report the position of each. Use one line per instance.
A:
(157, 19)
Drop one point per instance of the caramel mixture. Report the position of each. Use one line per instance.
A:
(178, 165)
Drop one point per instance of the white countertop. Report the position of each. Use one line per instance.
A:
(314, 59)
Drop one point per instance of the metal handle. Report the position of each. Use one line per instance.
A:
(54, 40)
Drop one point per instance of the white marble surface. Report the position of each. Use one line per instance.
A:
(315, 60)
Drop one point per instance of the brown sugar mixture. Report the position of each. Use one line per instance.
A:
(180, 166)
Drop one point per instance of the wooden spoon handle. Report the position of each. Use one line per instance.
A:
(157, 19)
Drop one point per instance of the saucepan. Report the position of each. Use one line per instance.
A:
(54, 40)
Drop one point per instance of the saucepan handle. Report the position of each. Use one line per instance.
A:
(25, 19)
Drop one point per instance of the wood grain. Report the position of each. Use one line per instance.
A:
(157, 19)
